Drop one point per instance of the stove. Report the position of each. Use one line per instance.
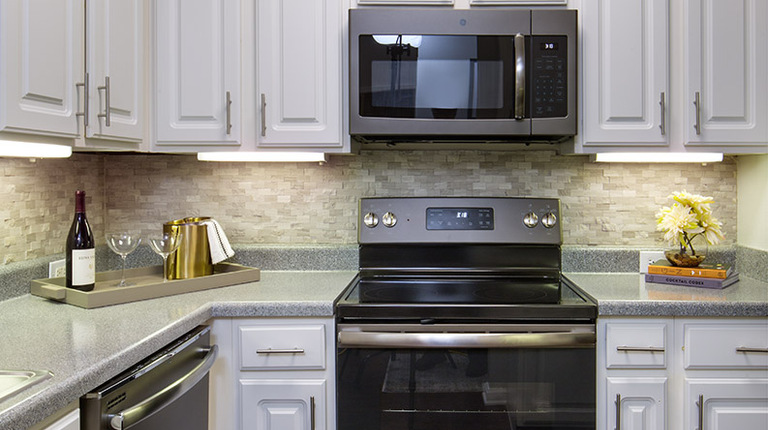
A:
(459, 318)
(462, 258)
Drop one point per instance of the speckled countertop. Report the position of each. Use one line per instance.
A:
(627, 294)
(85, 348)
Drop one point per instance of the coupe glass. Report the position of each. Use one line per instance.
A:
(123, 243)
(164, 245)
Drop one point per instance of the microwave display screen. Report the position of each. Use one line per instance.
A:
(436, 76)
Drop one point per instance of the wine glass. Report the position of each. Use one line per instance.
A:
(123, 243)
(164, 245)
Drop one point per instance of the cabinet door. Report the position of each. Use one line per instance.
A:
(42, 61)
(726, 404)
(115, 52)
(726, 72)
(625, 72)
(197, 74)
(286, 404)
(636, 403)
(71, 421)
(299, 73)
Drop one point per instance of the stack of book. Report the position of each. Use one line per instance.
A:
(706, 275)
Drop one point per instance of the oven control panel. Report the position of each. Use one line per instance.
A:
(459, 220)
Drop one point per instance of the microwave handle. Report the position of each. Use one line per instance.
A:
(519, 76)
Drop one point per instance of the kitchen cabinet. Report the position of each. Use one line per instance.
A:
(115, 70)
(68, 421)
(41, 61)
(61, 68)
(299, 67)
(273, 373)
(682, 373)
(197, 56)
(633, 373)
(726, 73)
(626, 82)
(673, 76)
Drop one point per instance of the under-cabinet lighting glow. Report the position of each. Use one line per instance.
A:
(316, 157)
(12, 148)
(658, 157)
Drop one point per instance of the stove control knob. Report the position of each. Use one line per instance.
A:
(389, 219)
(549, 220)
(530, 220)
(370, 220)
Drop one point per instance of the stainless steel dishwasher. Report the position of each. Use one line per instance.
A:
(168, 390)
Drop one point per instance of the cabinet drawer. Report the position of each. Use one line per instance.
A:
(282, 347)
(636, 345)
(721, 346)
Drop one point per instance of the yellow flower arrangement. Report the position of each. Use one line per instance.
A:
(690, 216)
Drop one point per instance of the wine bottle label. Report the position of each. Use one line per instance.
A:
(83, 266)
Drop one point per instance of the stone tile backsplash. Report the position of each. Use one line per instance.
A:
(261, 203)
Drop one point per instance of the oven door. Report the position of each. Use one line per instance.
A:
(491, 377)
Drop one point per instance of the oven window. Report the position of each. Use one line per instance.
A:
(436, 76)
(462, 389)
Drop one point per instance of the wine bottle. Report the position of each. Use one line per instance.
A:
(81, 252)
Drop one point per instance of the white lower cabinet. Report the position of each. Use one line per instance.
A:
(682, 373)
(273, 374)
(283, 404)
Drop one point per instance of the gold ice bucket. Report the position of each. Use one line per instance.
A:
(193, 258)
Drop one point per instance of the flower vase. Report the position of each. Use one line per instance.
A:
(689, 252)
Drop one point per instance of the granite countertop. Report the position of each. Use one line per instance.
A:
(627, 294)
(86, 347)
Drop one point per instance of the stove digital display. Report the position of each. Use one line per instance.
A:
(460, 219)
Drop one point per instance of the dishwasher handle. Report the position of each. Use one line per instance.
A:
(167, 395)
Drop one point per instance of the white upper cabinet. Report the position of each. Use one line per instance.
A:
(299, 68)
(726, 72)
(625, 72)
(41, 61)
(197, 95)
(115, 66)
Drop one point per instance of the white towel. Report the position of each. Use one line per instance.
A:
(217, 241)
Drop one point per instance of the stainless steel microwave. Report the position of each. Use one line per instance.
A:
(490, 75)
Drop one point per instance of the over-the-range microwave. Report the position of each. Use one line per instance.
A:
(490, 75)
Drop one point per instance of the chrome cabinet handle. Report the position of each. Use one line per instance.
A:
(519, 76)
(663, 104)
(697, 103)
(84, 113)
(618, 411)
(700, 405)
(280, 351)
(107, 111)
(167, 395)
(229, 113)
(312, 412)
(263, 115)
(746, 349)
(624, 348)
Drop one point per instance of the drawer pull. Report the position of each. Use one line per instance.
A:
(624, 348)
(280, 351)
(745, 350)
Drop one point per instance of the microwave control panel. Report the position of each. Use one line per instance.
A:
(549, 83)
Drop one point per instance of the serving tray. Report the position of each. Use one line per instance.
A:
(147, 284)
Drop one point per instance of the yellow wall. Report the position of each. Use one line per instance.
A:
(752, 180)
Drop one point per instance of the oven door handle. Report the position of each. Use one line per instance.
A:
(166, 395)
(369, 339)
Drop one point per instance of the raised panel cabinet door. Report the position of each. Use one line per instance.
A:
(625, 72)
(636, 403)
(299, 73)
(726, 404)
(283, 404)
(726, 72)
(197, 76)
(115, 61)
(42, 62)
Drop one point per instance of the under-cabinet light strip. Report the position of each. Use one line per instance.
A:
(317, 157)
(658, 157)
(12, 148)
